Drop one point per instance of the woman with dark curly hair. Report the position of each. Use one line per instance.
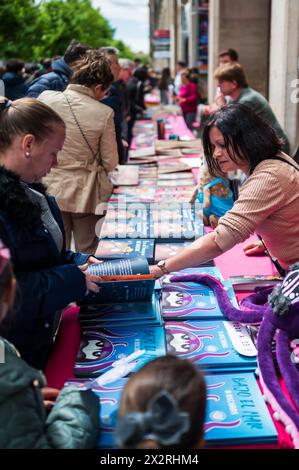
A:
(236, 138)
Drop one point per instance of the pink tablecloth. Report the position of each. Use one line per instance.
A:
(178, 126)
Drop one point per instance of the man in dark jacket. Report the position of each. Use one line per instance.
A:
(114, 101)
(135, 90)
(14, 81)
(58, 79)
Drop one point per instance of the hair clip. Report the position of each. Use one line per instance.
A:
(163, 421)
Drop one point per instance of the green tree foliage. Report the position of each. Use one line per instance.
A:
(60, 21)
(32, 29)
(17, 28)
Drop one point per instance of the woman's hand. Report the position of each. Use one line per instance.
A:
(155, 271)
(92, 260)
(220, 100)
(254, 248)
(49, 395)
(90, 279)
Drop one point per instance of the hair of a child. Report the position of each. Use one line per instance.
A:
(171, 381)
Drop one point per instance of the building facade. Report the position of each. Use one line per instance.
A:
(265, 34)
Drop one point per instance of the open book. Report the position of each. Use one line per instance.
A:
(121, 280)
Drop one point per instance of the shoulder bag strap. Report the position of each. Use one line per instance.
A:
(95, 155)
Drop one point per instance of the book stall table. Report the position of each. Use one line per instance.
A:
(60, 367)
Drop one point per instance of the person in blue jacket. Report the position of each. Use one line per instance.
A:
(49, 277)
(14, 80)
(58, 79)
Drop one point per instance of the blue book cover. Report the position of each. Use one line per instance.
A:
(153, 221)
(127, 223)
(114, 248)
(236, 412)
(125, 311)
(109, 396)
(125, 314)
(99, 349)
(125, 280)
(195, 303)
(214, 345)
(181, 224)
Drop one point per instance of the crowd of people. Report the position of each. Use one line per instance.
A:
(68, 128)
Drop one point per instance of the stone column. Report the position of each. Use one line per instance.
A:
(284, 66)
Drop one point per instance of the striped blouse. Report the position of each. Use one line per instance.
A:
(268, 204)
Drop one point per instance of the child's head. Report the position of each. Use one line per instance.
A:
(163, 406)
(7, 282)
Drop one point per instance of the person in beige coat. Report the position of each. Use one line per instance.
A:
(81, 179)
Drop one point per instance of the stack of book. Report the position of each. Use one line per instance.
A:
(177, 222)
(197, 330)
(124, 317)
(236, 413)
(95, 316)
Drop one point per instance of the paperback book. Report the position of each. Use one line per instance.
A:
(176, 176)
(193, 303)
(93, 317)
(99, 349)
(172, 166)
(179, 194)
(165, 250)
(236, 412)
(121, 280)
(142, 152)
(173, 183)
(217, 346)
(210, 270)
(177, 223)
(113, 248)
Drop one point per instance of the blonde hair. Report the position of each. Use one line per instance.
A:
(92, 69)
(232, 73)
(26, 116)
